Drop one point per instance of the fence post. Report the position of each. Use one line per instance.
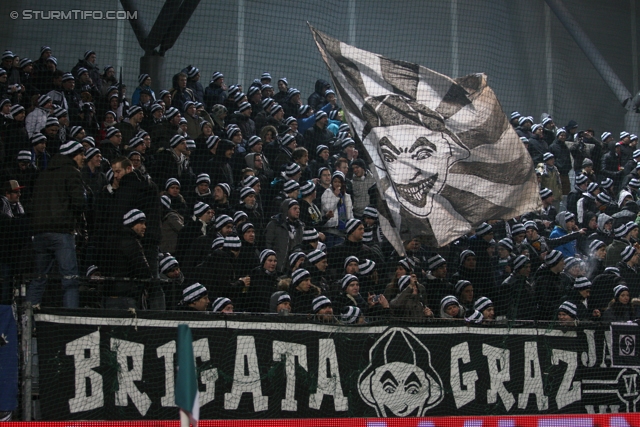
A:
(27, 360)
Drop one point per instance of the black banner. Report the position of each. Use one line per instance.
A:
(111, 365)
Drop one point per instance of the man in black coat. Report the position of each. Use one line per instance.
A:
(537, 145)
(15, 234)
(59, 204)
(612, 165)
(219, 271)
(180, 93)
(110, 147)
(215, 93)
(352, 246)
(318, 134)
(162, 132)
(602, 287)
(192, 230)
(435, 282)
(242, 118)
(628, 267)
(126, 259)
(549, 288)
(173, 163)
(316, 99)
(132, 127)
(138, 192)
(582, 182)
(562, 154)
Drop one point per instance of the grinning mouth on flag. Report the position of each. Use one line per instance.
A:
(416, 193)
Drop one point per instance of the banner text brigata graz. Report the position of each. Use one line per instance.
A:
(110, 365)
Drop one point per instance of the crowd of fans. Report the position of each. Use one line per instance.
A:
(247, 200)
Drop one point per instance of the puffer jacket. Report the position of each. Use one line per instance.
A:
(36, 120)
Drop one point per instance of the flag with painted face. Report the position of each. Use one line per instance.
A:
(442, 151)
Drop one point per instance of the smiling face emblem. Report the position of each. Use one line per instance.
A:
(400, 389)
(416, 159)
(399, 380)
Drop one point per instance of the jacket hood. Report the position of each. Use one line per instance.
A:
(602, 220)
(320, 85)
(284, 209)
(135, 176)
(223, 146)
(273, 302)
(250, 160)
(560, 220)
(59, 161)
(587, 217)
(621, 197)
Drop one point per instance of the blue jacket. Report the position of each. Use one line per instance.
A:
(135, 98)
(568, 249)
(308, 122)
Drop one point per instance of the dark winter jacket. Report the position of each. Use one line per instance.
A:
(562, 156)
(602, 289)
(59, 199)
(263, 285)
(516, 298)
(125, 258)
(316, 99)
(138, 192)
(218, 274)
(315, 136)
(186, 237)
(550, 292)
(246, 125)
(213, 95)
(537, 148)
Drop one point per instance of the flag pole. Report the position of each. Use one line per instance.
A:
(184, 419)
(186, 386)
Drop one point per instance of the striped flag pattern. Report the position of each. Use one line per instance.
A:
(442, 150)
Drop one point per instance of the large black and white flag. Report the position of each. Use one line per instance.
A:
(441, 149)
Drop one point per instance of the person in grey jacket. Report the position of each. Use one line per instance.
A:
(285, 231)
(361, 183)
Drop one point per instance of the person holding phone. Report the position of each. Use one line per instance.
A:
(411, 302)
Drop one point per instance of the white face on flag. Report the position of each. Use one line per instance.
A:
(441, 149)
(400, 389)
(416, 160)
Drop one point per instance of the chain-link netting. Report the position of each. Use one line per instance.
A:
(373, 161)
